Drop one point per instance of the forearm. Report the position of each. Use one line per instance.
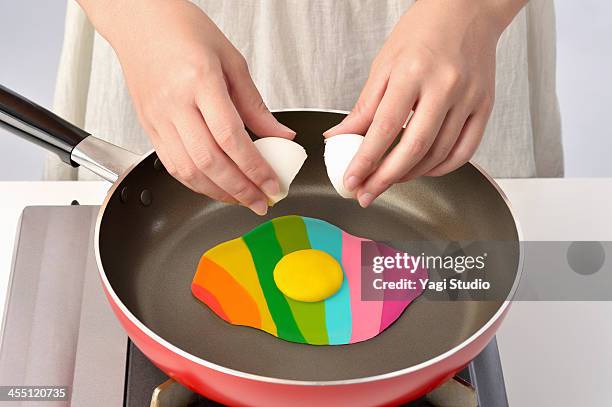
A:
(496, 15)
(102, 13)
(115, 19)
(504, 11)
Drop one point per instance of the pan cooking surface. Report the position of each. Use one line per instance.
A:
(150, 254)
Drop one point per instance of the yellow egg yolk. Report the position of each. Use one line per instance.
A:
(308, 275)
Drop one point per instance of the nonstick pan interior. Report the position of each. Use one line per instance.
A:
(150, 252)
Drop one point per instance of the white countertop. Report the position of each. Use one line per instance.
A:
(553, 353)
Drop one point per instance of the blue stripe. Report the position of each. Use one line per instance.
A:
(328, 238)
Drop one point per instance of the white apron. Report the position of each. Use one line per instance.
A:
(317, 53)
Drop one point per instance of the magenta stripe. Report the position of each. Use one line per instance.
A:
(394, 304)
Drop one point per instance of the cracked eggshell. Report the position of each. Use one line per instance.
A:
(286, 157)
(339, 151)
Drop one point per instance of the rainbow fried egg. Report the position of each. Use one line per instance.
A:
(296, 278)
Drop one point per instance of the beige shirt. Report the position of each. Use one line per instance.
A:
(317, 54)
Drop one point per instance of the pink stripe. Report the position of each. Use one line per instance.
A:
(394, 305)
(366, 314)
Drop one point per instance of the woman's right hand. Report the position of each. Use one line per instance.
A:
(193, 94)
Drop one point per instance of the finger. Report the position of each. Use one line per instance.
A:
(466, 145)
(223, 121)
(442, 145)
(251, 107)
(388, 121)
(416, 141)
(210, 160)
(360, 118)
(179, 164)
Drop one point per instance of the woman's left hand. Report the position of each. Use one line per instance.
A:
(439, 62)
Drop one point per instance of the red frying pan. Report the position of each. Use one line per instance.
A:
(151, 232)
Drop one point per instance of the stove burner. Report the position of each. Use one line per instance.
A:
(481, 384)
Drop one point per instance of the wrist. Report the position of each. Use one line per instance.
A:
(112, 18)
(500, 12)
(489, 18)
(495, 15)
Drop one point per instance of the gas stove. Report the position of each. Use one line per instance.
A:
(58, 329)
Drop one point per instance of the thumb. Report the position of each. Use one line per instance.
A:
(360, 118)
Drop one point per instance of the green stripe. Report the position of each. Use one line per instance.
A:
(291, 233)
(310, 316)
(266, 252)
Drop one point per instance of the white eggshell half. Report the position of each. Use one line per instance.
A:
(339, 151)
(286, 157)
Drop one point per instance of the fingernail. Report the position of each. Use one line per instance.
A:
(270, 187)
(351, 183)
(365, 199)
(331, 129)
(259, 207)
(287, 129)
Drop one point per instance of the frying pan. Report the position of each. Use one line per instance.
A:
(151, 232)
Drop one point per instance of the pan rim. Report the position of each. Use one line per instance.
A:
(274, 380)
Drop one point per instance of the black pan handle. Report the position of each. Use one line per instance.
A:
(37, 124)
(73, 145)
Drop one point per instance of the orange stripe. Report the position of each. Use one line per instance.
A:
(238, 305)
(207, 298)
(235, 258)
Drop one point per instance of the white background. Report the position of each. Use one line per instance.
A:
(31, 37)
